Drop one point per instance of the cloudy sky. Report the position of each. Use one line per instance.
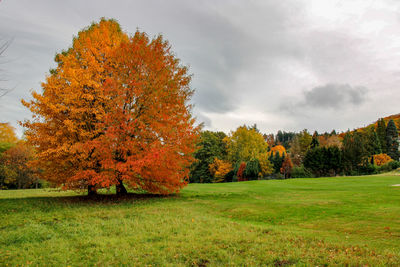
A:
(287, 65)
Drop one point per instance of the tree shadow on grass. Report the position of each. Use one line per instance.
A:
(112, 198)
(98, 199)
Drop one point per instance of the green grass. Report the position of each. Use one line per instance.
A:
(325, 221)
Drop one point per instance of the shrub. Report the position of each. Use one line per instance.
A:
(368, 169)
(301, 172)
(381, 159)
(389, 166)
(252, 169)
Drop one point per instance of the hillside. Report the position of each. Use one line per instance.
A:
(328, 221)
(395, 118)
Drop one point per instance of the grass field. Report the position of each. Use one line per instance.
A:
(325, 221)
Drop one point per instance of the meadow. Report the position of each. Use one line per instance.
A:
(320, 221)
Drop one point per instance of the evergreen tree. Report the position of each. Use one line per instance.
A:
(355, 153)
(284, 138)
(314, 141)
(252, 169)
(392, 143)
(277, 161)
(373, 143)
(211, 146)
(381, 132)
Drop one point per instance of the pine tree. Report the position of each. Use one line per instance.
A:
(277, 161)
(392, 143)
(314, 141)
(381, 132)
(373, 144)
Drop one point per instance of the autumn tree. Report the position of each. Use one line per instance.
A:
(278, 149)
(15, 171)
(266, 167)
(381, 159)
(245, 144)
(287, 167)
(300, 145)
(270, 139)
(7, 134)
(114, 111)
(330, 140)
(8, 140)
(240, 172)
(219, 169)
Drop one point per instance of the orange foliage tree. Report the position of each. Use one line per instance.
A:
(114, 111)
(15, 163)
(279, 148)
(381, 159)
(219, 169)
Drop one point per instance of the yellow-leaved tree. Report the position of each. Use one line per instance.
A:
(7, 134)
(266, 167)
(245, 144)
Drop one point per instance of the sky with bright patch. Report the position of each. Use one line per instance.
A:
(289, 65)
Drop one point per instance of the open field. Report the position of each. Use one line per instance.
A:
(325, 221)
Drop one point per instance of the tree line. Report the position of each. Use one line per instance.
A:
(247, 154)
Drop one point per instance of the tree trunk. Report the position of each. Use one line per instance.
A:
(91, 190)
(121, 190)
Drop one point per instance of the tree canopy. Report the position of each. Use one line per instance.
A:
(115, 110)
(245, 144)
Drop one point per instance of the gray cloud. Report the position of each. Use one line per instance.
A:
(247, 57)
(201, 118)
(334, 96)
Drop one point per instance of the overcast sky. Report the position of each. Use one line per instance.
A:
(287, 65)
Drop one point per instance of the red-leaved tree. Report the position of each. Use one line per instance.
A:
(240, 172)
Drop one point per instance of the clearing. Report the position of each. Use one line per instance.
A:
(324, 221)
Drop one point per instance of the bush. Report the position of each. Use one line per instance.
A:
(252, 169)
(394, 164)
(389, 166)
(301, 172)
(369, 169)
(229, 177)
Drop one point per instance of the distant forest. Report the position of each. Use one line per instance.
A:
(248, 154)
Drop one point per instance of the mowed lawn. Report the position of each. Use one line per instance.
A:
(324, 221)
